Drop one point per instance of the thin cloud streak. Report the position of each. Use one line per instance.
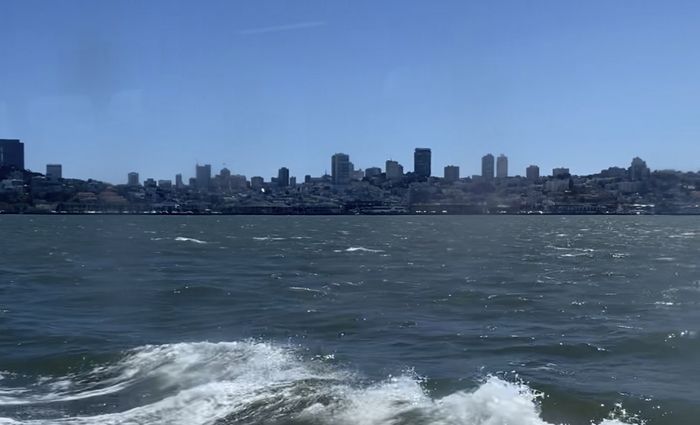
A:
(280, 28)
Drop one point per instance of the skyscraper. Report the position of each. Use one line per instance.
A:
(502, 166)
(203, 173)
(12, 153)
(487, 166)
(421, 162)
(283, 177)
(54, 172)
(340, 168)
(133, 179)
(178, 181)
(451, 173)
(532, 172)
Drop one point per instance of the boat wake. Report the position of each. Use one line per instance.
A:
(251, 382)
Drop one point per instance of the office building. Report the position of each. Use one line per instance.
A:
(165, 184)
(487, 166)
(502, 166)
(283, 177)
(394, 170)
(12, 153)
(133, 179)
(340, 168)
(451, 173)
(293, 181)
(54, 172)
(179, 184)
(421, 162)
(532, 172)
(203, 176)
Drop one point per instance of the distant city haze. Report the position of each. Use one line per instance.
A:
(108, 88)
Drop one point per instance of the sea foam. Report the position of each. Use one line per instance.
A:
(256, 383)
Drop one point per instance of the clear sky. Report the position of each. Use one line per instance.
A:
(108, 87)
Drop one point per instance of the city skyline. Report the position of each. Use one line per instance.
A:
(342, 170)
(155, 86)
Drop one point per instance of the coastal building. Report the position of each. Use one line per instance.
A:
(293, 181)
(203, 176)
(54, 172)
(178, 181)
(133, 179)
(340, 168)
(283, 177)
(12, 153)
(451, 173)
(487, 165)
(502, 166)
(532, 172)
(394, 170)
(421, 162)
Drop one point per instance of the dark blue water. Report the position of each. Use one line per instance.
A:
(350, 320)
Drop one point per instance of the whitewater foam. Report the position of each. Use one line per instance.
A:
(183, 239)
(256, 382)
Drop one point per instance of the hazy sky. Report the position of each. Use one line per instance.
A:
(108, 87)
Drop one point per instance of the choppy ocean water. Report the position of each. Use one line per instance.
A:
(349, 320)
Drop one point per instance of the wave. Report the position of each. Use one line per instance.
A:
(251, 382)
(362, 249)
(183, 239)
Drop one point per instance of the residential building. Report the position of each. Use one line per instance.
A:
(502, 166)
(532, 172)
(133, 179)
(394, 170)
(487, 165)
(451, 173)
(54, 172)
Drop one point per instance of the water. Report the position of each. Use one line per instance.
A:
(349, 320)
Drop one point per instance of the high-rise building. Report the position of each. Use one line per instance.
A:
(487, 166)
(394, 170)
(203, 173)
(502, 166)
(165, 184)
(639, 170)
(179, 184)
(340, 168)
(451, 173)
(133, 179)
(293, 181)
(372, 172)
(532, 172)
(257, 182)
(560, 172)
(421, 162)
(54, 172)
(12, 153)
(283, 177)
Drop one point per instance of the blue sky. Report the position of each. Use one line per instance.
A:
(108, 87)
